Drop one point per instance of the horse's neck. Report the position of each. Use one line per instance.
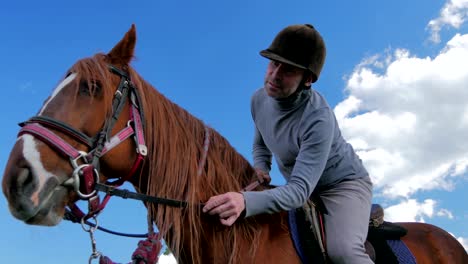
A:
(182, 143)
(176, 144)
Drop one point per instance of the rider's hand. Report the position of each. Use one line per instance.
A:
(263, 175)
(228, 207)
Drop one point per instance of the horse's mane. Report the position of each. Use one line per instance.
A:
(175, 146)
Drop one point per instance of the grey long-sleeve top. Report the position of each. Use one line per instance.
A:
(302, 133)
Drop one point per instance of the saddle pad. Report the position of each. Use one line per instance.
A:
(303, 238)
(401, 251)
(294, 231)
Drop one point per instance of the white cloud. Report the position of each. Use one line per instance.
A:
(454, 14)
(464, 242)
(445, 213)
(413, 211)
(410, 211)
(351, 104)
(407, 118)
(167, 259)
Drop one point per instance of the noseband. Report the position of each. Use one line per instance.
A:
(85, 166)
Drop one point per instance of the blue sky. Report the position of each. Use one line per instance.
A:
(395, 74)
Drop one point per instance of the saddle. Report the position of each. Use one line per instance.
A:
(310, 241)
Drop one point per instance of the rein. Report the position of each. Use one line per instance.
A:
(126, 194)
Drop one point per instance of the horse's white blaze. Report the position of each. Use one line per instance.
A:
(57, 89)
(33, 157)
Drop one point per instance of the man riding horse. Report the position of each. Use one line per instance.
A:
(294, 123)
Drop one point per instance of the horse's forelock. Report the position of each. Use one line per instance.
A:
(92, 70)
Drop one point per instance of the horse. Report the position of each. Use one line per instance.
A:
(82, 137)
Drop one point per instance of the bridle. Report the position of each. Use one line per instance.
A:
(85, 175)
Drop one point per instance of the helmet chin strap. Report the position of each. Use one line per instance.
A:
(303, 86)
(305, 83)
(300, 88)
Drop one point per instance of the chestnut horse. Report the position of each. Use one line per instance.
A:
(71, 145)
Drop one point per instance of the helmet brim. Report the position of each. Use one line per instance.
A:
(272, 56)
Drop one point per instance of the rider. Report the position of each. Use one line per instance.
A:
(295, 124)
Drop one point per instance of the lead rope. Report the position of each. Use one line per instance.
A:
(90, 229)
(148, 250)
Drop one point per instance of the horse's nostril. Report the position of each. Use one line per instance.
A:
(25, 180)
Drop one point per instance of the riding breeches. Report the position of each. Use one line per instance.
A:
(348, 205)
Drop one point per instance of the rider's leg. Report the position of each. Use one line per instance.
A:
(346, 224)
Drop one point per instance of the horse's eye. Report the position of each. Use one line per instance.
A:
(90, 88)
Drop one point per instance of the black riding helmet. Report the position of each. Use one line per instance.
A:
(300, 46)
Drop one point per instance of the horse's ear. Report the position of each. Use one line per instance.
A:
(122, 53)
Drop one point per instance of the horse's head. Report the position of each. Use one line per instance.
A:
(57, 156)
